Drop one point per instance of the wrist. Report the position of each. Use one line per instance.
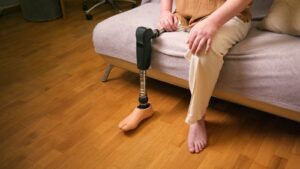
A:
(166, 5)
(214, 21)
(165, 11)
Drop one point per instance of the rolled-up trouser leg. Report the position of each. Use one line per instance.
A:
(204, 68)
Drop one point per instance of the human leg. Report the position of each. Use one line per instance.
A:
(203, 74)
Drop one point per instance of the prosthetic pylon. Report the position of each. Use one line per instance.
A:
(144, 37)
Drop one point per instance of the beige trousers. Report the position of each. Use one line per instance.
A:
(204, 69)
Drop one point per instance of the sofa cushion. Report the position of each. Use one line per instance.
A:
(284, 17)
(260, 8)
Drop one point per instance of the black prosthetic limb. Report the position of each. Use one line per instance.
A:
(144, 37)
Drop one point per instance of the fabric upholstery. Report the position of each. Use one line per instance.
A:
(284, 17)
(260, 8)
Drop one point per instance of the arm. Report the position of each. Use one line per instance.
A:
(202, 33)
(167, 20)
(166, 5)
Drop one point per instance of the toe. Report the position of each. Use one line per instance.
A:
(200, 147)
(121, 124)
(191, 147)
(125, 127)
(202, 144)
(197, 150)
(192, 150)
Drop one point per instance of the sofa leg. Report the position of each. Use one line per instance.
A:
(107, 70)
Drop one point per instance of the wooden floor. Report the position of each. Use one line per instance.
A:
(56, 114)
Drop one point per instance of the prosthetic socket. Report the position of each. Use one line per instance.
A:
(144, 37)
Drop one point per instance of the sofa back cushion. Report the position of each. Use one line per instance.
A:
(260, 8)
(283, 17)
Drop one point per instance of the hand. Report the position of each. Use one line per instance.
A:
(201, 35)
(168, 21)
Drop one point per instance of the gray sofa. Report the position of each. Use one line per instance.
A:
(262, 71)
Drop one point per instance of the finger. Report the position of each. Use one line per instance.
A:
(162, 24)
(201, 43)
(175, 25)
(191, 39)
(175, 20)
(165, 25)
(195, 45)
(171, 24)
(168, 25)
(208, 45)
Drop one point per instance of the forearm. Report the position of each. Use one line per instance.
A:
(166, 5)
(227, 11)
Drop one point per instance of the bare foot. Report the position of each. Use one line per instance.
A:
(197, 138)
(133, 120)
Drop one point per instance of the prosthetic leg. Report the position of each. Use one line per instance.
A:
(144, 110)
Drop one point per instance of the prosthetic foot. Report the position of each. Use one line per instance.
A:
(135, 118)
(143, 50)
